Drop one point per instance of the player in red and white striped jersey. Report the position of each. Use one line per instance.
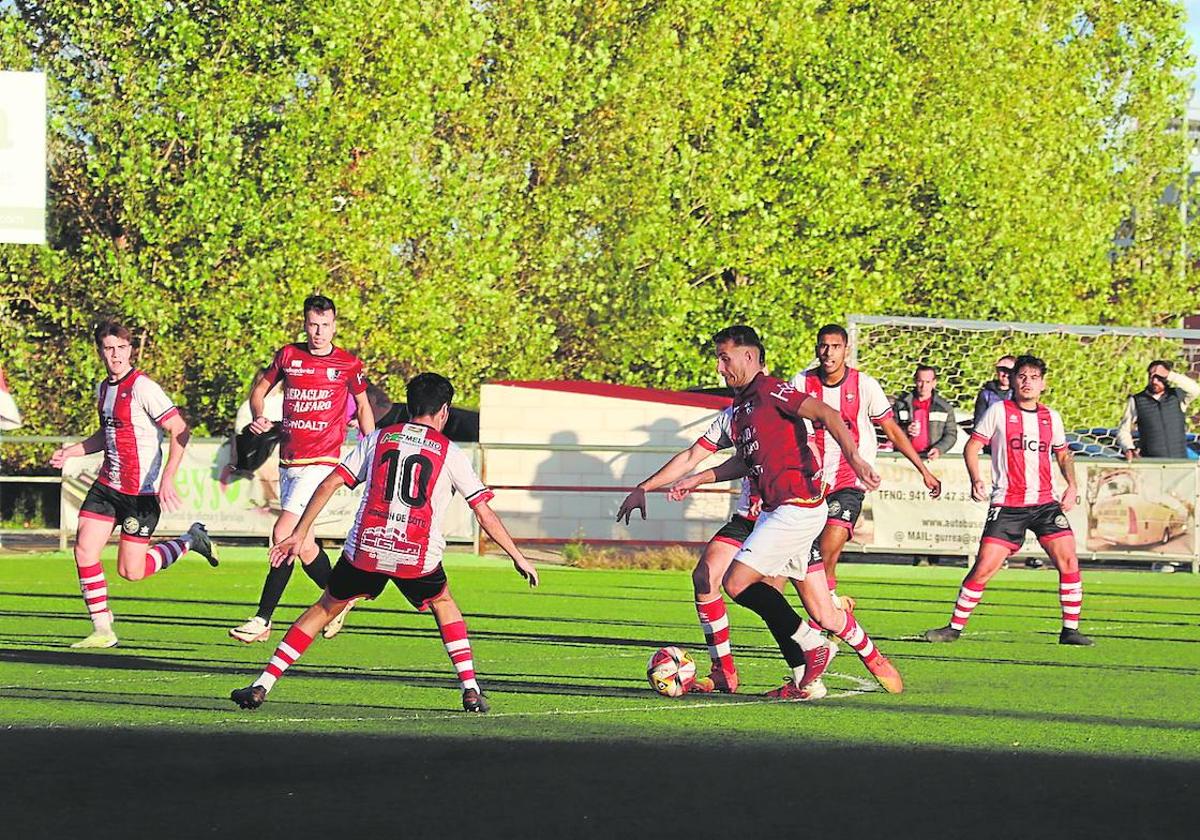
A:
(860, 401)
(319, 380)
(134, 413)
(1023, 435)
(410, 469)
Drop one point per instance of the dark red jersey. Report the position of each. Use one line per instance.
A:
(770, 437)
(315, 390)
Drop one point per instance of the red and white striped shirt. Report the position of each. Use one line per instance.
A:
(861, 402)
(132, 410)
(1021, 442)
(718, 437)
(411, 472)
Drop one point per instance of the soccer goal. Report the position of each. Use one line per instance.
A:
(1091, 370)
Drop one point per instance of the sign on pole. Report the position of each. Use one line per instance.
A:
(22, 158)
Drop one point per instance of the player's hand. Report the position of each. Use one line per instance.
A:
(933, 484)
(168, 496)
(1130, 454)
(286, 551)
(1068, 498)
(59, 458)
(979, 490)
(636, 500)
(933, 454)
(865, 472)
(755, 508)
(680, 489)
(260, 425)
(526, 570)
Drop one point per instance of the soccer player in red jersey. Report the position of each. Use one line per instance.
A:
(860, 401)
(770, 437)
(318, 379)
(410, 470)
(135, 413)
(1023, 433)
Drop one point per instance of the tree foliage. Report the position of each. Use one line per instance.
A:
(581, 188)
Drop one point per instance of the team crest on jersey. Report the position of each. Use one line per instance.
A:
(1061, 521)
(130, 525)
(835, 507)
(849, 396)
(332, 373)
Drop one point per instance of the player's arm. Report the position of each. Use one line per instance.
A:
(288, 548)
(366, 417)
(680, 465)
(178, 435)
(258, 399)
(1066, 465)
(490, 522)
(1125, 430)
(901, 441)
(731, 470)
(971, 458)
(818, 412)
(75, 450)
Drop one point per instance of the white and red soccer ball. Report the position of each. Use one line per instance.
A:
(671, 671)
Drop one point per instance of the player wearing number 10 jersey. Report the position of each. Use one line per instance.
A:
(1023, 434)
(410, 471)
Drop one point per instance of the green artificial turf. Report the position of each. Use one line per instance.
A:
(566, 662)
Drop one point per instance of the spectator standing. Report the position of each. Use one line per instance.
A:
(925, 416)
(995, 390)
(1157, 412)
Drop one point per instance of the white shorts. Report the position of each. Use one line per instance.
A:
(782, 539)
(297, 485)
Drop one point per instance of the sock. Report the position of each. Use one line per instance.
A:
(1070, 595)
(968, 599)
(294, 643)
(163, 554)
(816, 564)
(831, 582)
(95, 595)
(783, 621)
(458, 646)
(272, 591)
(714, 621)
(318, 570)
(853, 635)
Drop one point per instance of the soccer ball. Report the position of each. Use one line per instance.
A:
(671, 671)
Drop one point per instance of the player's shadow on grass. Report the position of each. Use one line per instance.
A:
(951, 589)
(1104, 667)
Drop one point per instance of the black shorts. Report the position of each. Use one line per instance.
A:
(736, 531)
(845, 506)
(347, 581)
(1007, 525)
(136, 515)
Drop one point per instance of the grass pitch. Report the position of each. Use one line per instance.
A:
(1114, 728)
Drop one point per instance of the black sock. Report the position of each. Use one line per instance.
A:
(780, 618)
(272, 591)
(318, 570)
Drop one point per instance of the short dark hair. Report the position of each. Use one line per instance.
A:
(741, 336)
(427, 393)
(319, 303)
(929, 368)
(109, 327)
(833, 329)
(1028, 360)
(1158, 362)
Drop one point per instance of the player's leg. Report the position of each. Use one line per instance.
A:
(845, 506)
(989, 560)
(137, 559)
(96, 519)
(710, 606)
(431, 593)
(1056, 537)
(345, 582)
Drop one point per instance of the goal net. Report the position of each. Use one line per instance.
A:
(1091, 371)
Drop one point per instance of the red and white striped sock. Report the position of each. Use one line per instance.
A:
(714, 621)
(294, 643)
(458, 646)
(1070, 595)
(853, 635)
(163, 554)
(968, 600)
(831, 582)
(95, 595)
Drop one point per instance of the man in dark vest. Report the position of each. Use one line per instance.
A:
(1158, 413)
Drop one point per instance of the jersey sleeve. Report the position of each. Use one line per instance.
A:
(353, 468)
(274, 371)
(464, 479)
(787, 398)
(879, 407)
(992, 420)
(356, 379)
(1058, 432)
(154, 400)
(717, 437)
